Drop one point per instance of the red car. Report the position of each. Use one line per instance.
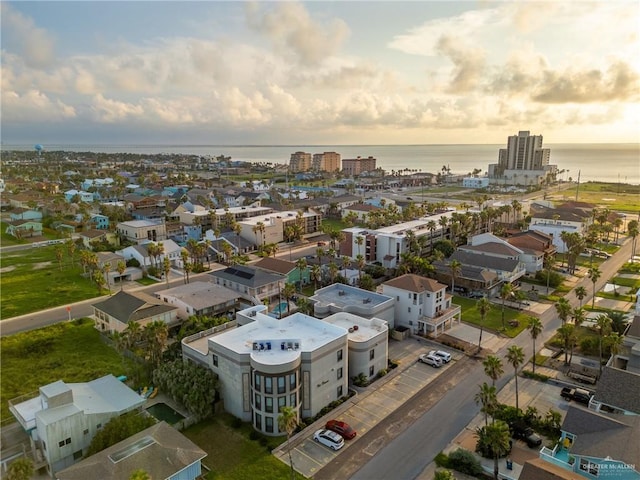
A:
(342, 428)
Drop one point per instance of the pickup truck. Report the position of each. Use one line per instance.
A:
(579, 395)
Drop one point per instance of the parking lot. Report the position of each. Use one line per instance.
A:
(370, 406)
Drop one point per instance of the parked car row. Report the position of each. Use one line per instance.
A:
(334, 434)
(435, 358)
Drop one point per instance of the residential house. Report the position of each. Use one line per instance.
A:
(555, 221)
(283, 267)
(151, 207)
(470, 279)
(62, 419)
(597, 445)
(508, 269)
(160, 451)
(24, 228)
(200, 299)
(360, 210)
(254, 285)
(489, 244)
(338, 297)
(114, 313)
(422, 304)
(99, 222)
(25, 214)
(142, 231)
(535, 246)
(76, 196)
(90, 238)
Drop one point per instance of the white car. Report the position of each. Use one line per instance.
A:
(441, 354)
(328, 438)
(432, 360)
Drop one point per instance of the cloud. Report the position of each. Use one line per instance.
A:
(619, 83)
(110, 111)
(293, 32)
(35, 45)
(469, 63)
(33, 105)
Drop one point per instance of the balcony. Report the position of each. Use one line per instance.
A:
(441, 321)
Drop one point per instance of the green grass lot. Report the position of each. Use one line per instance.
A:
(232, 455)
(333, 223)
(620, 197)
(32, 280)
(146, 281)
(632, 283)
(493, 321)
(7, 239)
(72, 352)
(612, 296)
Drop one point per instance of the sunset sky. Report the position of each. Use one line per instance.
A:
(336, 72)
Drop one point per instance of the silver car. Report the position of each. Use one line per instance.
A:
(328, 438)
(441, 354)
(432, 360)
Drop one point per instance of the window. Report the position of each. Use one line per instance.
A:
(292, 381)
(409, 309)
(61, 443)
(282, 388)
(371, 371)
(215, 360)
(292, 400)
(67, 441)
(340, 355)
(282, 402)
(372, 354)
(269, 424)
(99, 426)
(268, 385)
(77, 455)
(339, 391)
(258, 421)
(86, 431)
(268, 404)
(258, 402)
(339, 374)
(256, 381)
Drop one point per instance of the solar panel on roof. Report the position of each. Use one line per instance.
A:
(131, 449)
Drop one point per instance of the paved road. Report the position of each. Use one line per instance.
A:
(406, 456)
(83, 308)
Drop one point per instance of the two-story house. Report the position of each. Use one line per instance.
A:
(254, 285)
(201, 298)
(142, 231)
(64, 417)
(535, 246)
(422, 304)
(283, 267)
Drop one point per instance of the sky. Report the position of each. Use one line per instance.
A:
(314, 73)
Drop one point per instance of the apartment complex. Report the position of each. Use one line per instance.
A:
(326, 162)
(142, 231)
(271, 228)
(300, 162)
(523, 162)
(359, 165)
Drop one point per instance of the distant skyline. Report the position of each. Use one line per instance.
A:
(313, 73)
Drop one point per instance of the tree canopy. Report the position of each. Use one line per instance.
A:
(119, 428)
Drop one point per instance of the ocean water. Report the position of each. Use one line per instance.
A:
(615, 162)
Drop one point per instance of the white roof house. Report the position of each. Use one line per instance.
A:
(63, 419)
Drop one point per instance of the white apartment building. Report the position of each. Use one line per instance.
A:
(387, 244)
(270, 228)
(265, 363)
(220, 217)
(422, 304)
(142, 231)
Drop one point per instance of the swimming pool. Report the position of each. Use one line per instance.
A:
(162, 411)
(280, 308)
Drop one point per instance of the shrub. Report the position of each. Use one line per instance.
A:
(253, 435)
(535, 376)
(382, 372)
(132, 262)
(555, 279)
(589, 346)
(442, 460)
(236, 422)
(465, 462)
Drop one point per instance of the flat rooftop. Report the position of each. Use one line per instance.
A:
(287, 215)
(343, 295)
(420, 224)
(360, 329)
(278, 340)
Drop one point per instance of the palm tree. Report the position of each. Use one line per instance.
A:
(515, 356)
(495, 439)
(121, 267)
(579, 316)
(566, 333)
(614, 341)
(259, 228)
(166, 268)
(563, 308)
(288, 291)
(301, 265)
(535, 328)
(581, 292)
(359, 242)
(346, 262)
(319, 254)
(237, 229)
(604, 325)
(632, 230)
(483, 305)
(287, 422)
(493, 368)
(360, 262)
(487, 397)
(594, 274)
(106, 268)
(333, 271)
(505, 292)
(315, 274)
(456, 267)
